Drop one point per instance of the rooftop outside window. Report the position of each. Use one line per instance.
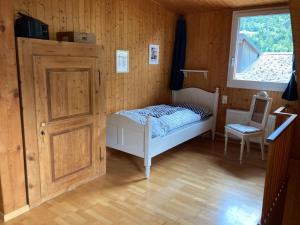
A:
(261, 50)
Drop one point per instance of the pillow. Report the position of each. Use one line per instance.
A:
(200, 110)
(158, 111)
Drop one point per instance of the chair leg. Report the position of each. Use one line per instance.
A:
(262, 147)
(226, 142)
(248, 145)
(242, 150)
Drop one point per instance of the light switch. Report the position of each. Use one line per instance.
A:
(224, 99)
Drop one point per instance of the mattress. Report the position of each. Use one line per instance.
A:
(166, 118)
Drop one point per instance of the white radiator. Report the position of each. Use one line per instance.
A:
(239, 116)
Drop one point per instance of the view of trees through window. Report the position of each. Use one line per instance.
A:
(271, 33)
(265, 48)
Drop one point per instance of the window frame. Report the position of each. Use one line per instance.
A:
(232, 64)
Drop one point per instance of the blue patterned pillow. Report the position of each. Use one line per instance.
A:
(201, 110)
(159, 110)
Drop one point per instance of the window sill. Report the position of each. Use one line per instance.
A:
(257, 85)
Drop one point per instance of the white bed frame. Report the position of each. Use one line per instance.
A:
(128, 136)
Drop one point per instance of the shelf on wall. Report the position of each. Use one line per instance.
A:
(204, 72)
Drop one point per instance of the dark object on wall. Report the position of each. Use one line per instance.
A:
(29, 27)
(178, 63)
(291, 92)
(76, 37)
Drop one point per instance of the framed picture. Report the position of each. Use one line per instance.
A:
(153, 54)
(122, 61)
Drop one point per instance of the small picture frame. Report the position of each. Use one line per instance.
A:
(122, 61)
(153, 54)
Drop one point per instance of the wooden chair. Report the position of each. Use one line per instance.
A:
(258, 117)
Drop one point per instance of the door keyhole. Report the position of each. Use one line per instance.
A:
(42, 132)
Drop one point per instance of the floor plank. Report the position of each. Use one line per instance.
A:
(191, 184)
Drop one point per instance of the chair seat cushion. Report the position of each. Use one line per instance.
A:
(243, 128)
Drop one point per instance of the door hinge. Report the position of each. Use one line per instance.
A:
(99, 78)
(101, 157)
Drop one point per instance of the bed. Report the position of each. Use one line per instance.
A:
(127, 135)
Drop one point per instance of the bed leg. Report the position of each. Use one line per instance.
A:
(147, 171)
(147, 168)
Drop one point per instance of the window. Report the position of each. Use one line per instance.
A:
(261, 54)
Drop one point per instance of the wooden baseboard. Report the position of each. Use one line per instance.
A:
(14, 214)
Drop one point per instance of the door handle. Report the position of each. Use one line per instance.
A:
(43, 124)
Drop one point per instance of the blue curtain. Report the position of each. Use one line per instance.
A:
(291, 92)
(177, 76)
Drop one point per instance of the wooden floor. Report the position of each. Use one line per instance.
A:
(191, 184)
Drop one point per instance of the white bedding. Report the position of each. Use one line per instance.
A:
(163, 125)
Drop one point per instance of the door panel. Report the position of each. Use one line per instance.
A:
(69, 92)
(66, 121)
(71, 151)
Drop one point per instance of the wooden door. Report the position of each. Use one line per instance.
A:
(66, 115)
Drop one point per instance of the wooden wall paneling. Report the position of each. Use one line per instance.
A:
(1, 201)
(12, 175)
(62, 15)
(54, 20)
(113, 88)
(208, 47)
(69, 15)
(117, 6)
(124, 30)
(87, 16)
(132, 43)
(130, 30)
(75, 15)
(81, 18)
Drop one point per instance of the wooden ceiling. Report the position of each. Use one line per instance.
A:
(190, 6)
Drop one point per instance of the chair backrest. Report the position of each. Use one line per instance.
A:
(260, 110)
